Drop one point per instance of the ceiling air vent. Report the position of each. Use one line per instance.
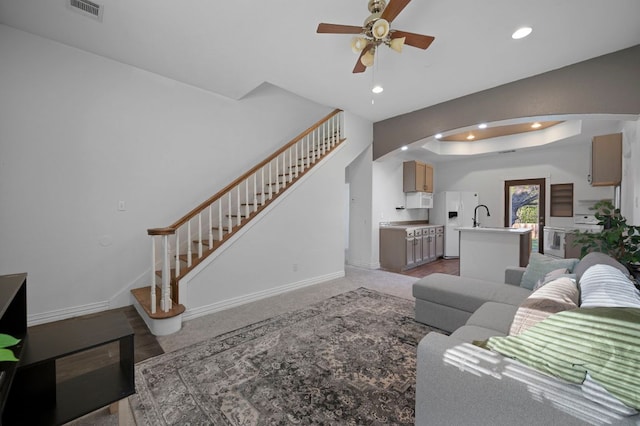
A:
(87, 8)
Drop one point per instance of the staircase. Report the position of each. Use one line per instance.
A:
(178, 248)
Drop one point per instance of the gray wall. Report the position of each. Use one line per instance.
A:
(606, 84)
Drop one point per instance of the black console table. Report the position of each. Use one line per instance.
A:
(37, 398)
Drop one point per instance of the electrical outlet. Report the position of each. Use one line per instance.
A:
(121, 206)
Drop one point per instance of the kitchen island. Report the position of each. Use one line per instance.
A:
(485, 253)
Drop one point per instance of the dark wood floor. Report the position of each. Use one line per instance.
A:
(444, 266)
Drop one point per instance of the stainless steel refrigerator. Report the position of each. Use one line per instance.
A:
(453, 209)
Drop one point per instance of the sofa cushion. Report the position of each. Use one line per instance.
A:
(556, 273)
(466, 294)
(605, 285)
(540, 265)
(472, 333)
(494, 315)
(601, 341)
(596, 258)
(559, 295)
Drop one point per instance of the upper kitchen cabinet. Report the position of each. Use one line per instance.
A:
(418, 177)
(606, 160)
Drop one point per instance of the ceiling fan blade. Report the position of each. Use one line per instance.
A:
(416, 40)
(393, 9)
(360, 67)
(338, 29)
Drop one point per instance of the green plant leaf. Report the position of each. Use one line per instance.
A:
(6, 340)
(7, 355)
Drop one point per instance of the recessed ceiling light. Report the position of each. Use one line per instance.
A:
(377, 89)
(404, 148)
(482, 126)
(536, 125)
(470, 137)
(438, 136)
(521, 33)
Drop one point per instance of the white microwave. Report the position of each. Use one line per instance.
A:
(419, 200)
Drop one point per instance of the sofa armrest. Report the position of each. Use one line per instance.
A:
(459, 383)
(513, 275)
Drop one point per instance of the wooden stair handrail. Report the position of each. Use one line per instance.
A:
(171, 229)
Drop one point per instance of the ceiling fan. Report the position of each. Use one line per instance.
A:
(376, 31)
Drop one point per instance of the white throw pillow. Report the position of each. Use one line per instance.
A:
(604, 285)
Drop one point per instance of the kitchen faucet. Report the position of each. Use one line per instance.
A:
(475, 213)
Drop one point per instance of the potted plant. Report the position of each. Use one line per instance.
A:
(617, 238)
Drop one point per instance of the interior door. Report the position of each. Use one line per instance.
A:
(524, 207)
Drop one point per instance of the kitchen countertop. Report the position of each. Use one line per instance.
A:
(409, 226)
(496, 230)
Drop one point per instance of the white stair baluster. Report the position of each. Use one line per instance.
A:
(177, 255)
(238, 206)
(189, 243)
(296, 157)
(230, 218)
(314, 147)
(290, 169)
(246, 194)
(265, 186)
(199, 237)
(210, 226)
(220, 220)
(153, 275)
(277, 183)
(255, 191)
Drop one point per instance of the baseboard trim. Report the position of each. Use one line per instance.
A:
(372, 265)
(241, 300)
(61, 314)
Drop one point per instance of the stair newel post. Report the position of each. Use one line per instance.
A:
(199, 236)
(153, 274)
(165, 298)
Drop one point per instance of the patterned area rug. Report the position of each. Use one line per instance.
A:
(347, 360)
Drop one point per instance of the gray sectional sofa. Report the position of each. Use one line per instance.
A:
(459, 383)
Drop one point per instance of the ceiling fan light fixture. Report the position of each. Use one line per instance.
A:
(397, 43)
(380, 29)
(358, 43)
(367, 58)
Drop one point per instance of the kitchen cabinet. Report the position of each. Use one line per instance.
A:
(417, 177)
(429, 244)
(439, 242)
(561, 199)
(403, 248)
(606, 160)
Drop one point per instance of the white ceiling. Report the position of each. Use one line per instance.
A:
(232, 47)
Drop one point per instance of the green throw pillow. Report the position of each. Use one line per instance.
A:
(540, 265)
(604, 342)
